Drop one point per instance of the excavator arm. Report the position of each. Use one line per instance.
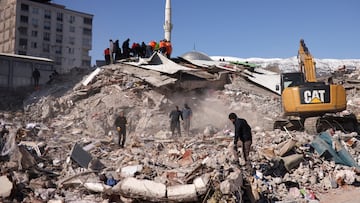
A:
(306, 63)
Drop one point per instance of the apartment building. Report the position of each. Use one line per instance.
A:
(43, 29)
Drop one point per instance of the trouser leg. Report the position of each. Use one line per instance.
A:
(178, 128)
(246, 149)
(123, 139)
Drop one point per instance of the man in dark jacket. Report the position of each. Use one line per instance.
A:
(120, 123)
(242, 132)
(175, 116)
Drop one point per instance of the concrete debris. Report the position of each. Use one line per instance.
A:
(149, 190)
(182, 193)
(6, 187)
(68, 151)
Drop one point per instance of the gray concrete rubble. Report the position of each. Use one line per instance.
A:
(61, 146)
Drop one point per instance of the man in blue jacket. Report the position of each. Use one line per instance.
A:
(242, 132)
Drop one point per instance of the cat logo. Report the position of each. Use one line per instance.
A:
(314, 96)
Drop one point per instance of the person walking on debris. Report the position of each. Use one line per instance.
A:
(120, 123)
(187, 114)
(36, 76)
(175, 116)
(242, 132)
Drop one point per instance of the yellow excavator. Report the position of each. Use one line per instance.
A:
(312, 105)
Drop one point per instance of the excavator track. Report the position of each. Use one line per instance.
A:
(317, 124)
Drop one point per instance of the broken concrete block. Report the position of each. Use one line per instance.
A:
(286, 147)
(145, 189)
(233, 183)
(348, 176)
(80, 156)
(6, 186)
(96, 187)
(129, 171)
(182, 193)
(201, 184)
(186, 158)
(292, 161)
(55, 201)
(91, 76)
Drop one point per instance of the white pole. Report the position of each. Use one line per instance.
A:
(167, 25)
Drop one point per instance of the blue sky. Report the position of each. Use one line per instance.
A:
(239, 28)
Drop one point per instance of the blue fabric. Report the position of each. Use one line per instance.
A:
(323, 144)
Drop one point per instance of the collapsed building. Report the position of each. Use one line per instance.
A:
(60, 148)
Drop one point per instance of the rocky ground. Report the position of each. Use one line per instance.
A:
(61, 145)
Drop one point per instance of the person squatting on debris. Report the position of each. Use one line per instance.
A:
(242, 132)
(175, 116)
(120, 123)
(187, 114)
(36, 76)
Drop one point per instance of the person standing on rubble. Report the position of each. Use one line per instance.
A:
(120, 123)
(242, 132)
(187, 114)
(107, 56)
(36, 76)
(175, 116)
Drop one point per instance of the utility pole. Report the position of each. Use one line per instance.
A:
(167, 25)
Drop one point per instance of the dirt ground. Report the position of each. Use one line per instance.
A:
(346, 194)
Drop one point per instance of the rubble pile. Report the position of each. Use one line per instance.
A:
(62, 147)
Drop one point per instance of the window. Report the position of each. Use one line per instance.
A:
(23, 30)
(46, 48)
(86, 31)
(47, 14)
(58, 38)
(58, 49)
(86, 42)
(21, 52)
(24, 7)
(59, 27)
(34, 33)
(47, 25)
(88, 21)
(35, 10)
(24, 19)
(59, 17)
(33, 45)
(71, 50)
(85, 63)
(72, 40)
(23, 43)
(72, 28)
(46, 36)
(35, 22)
(72, 19)
(58, 60)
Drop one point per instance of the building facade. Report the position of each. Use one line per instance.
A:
(43, 29)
